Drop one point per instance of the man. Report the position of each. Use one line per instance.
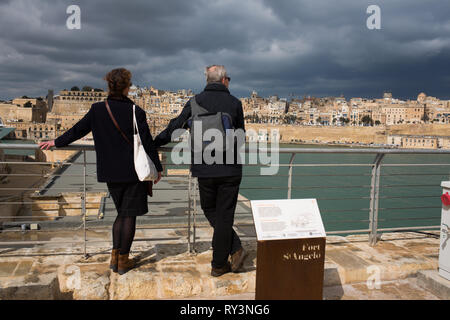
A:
(218, 183)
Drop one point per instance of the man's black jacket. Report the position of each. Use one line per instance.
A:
(115, 160)
(214, 98)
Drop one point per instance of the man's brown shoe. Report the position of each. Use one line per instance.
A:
(114, 260)
(125, 264)
(237, 259)
(217, 272)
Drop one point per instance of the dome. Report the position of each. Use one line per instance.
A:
(421, 97)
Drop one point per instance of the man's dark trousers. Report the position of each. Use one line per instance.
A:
(218, 198)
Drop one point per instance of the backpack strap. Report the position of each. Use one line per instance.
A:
(195, 107)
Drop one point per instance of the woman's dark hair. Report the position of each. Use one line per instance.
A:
(118, 80)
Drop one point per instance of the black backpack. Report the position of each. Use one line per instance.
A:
(209, 120)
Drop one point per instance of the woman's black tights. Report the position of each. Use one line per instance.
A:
(123, 233)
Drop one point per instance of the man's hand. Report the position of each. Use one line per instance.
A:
(157, 179)
(47, 144)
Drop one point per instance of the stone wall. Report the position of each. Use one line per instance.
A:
(16, 111)
(9, 209)
(54, 155)
(350, 134)
(325, 134)
(66, 204)
(3, 167)
(420, 129)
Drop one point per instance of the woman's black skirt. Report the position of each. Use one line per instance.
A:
(130, 198)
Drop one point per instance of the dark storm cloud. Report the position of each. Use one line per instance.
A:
(274, 47)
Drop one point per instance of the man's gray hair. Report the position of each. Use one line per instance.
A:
(215, 73)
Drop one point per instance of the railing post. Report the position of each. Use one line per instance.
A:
(189, 211)
(374, 199)
(84, 204)
(195, 214)
(290, 176)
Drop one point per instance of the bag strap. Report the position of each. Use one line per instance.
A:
(135, 125)
(115, 122)
(195, 107)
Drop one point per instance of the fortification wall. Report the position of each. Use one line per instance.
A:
(349, 134)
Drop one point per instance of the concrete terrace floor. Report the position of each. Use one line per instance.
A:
(167, 271)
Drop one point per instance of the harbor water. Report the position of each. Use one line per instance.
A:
(409, 195)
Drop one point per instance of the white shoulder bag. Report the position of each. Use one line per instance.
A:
(144, 166)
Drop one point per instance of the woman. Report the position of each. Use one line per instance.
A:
(115, 161)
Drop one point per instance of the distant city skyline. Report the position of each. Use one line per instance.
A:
(288, 97)
(317, 48)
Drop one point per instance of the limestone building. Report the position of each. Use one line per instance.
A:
(419, 141)
(403, 113)
(35, 131)
(24, 109)
(76, 102)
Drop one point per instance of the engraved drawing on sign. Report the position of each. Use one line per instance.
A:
(303, 223)
(300, 221)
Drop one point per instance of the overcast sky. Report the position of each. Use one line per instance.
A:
(300, 47)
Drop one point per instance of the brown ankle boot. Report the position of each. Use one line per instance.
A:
(125, 264)
(217, 272)
(237, 259)
(114, 260)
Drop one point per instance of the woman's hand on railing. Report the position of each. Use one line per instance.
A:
(157, 179)
(47, 144)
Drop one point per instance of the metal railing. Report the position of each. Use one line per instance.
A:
(189, 220)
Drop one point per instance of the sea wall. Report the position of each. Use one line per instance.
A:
(349, 134)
